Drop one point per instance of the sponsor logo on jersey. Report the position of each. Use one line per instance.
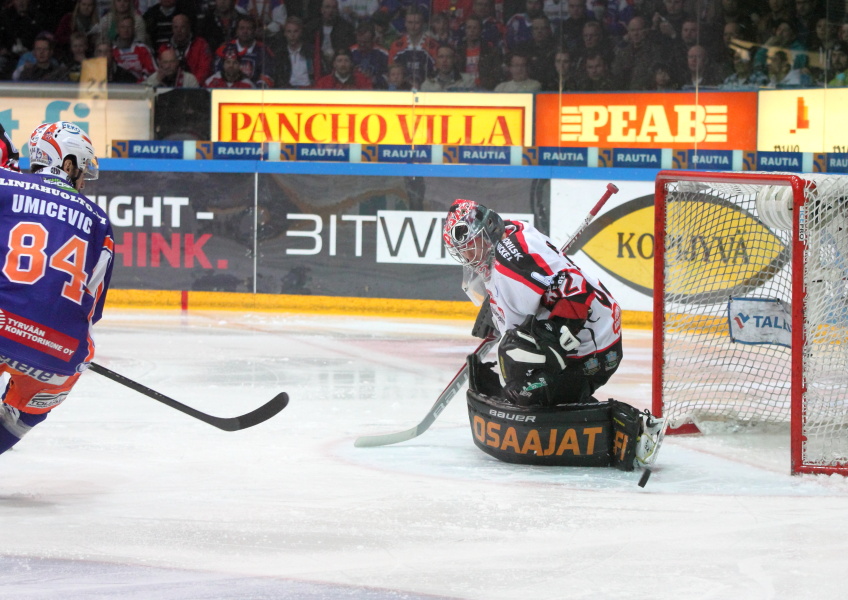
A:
(611, 360)
(507, 248)
(46, 401)
(591, 366)
(36, 336)
(34, 372)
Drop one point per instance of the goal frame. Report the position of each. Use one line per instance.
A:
(798, 296)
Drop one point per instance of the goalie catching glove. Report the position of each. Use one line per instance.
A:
(531, 358)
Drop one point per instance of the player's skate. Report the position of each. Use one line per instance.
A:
(649, 441)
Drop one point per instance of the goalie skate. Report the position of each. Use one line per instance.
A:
(649, 441)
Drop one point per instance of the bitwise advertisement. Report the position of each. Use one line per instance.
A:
(329, 235)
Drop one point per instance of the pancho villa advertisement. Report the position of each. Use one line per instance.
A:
(304, 117)
(708, 120)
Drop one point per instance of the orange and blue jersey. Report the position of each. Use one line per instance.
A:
(56, 250)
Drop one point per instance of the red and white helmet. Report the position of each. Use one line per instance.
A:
(51, 143)
(471, 232)
(8, 152)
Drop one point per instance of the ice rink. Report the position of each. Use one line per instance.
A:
(119, 496)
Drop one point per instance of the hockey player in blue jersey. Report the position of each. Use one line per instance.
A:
(56, 250)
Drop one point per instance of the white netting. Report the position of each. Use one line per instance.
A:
(734, 240)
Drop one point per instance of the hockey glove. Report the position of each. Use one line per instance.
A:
(569, 317)
(530, 358)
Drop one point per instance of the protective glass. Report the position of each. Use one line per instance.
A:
(91, 169)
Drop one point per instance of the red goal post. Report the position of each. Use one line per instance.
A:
(751, 308)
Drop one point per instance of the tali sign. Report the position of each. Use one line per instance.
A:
(710, 120)
(377, 118)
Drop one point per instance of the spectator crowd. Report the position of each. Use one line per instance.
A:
(431, 45)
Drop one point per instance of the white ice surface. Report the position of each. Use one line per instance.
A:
(118, 496)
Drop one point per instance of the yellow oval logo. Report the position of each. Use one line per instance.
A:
(621, 242)
(713, 248)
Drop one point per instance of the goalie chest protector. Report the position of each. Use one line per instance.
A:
(574, 435)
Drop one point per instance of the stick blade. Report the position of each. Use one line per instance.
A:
(372, 441)
(261, 414)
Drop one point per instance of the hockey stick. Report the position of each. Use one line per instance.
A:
(263, 413)
(441, 402)
(611, 189)
(462, 375)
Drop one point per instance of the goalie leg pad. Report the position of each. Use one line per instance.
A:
(579, 435)
(484, 326)
(481, 377)
(627, 426)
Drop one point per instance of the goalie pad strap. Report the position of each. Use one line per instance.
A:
(627, 426)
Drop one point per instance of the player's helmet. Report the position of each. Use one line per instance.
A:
(471, 232)
(51, 143)
(8, 152)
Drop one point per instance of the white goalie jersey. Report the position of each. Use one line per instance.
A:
(529, 276)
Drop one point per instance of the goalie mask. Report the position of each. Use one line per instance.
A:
(471, 232)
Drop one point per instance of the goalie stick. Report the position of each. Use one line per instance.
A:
(441, 402)
(462, 375)
(611, 189)
(261, 414)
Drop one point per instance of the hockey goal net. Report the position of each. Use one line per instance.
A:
(751, 308)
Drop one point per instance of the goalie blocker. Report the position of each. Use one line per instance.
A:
(595, 434)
